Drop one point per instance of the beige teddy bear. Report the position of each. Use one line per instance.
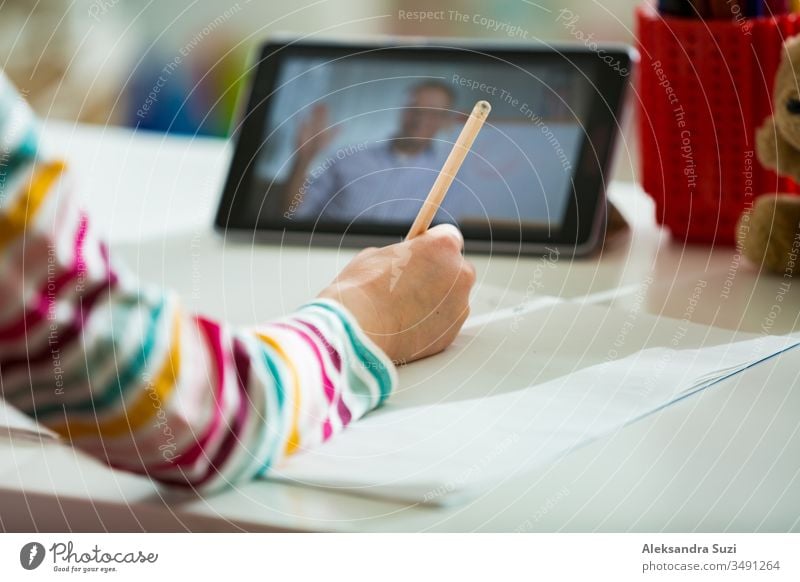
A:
(769, 233)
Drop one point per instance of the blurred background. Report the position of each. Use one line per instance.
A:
(177, 67)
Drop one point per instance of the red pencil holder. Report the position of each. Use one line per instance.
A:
(705, 86)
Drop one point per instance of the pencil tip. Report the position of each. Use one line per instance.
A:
(482, 108)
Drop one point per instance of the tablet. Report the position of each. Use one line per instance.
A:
(339, 143)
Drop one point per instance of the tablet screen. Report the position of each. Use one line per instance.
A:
(358, 140)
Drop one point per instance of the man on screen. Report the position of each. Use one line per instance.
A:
(382, 182)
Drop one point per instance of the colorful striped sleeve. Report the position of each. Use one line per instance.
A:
(122, 371)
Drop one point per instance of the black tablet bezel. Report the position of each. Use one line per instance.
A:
(580, 229)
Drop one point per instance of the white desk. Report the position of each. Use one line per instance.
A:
(728, 459)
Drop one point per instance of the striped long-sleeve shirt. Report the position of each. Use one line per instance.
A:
(122, 371)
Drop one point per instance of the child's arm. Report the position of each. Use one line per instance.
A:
(123, 372)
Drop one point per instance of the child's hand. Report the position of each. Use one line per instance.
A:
(411, 298)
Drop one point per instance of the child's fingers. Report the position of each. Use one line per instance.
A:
(446, 232)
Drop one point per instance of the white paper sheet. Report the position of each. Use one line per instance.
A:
(14, 424)
(519, 388)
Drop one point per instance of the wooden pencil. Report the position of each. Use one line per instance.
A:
(450, 169)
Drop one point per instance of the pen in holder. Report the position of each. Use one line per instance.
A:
(705, 86)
